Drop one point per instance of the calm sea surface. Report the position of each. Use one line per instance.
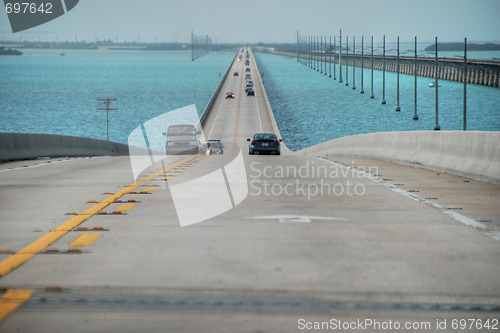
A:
(44, 92)
(310, 107)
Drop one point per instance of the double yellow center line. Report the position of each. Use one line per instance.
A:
(12, 299)
(19, 258)
(238, 112)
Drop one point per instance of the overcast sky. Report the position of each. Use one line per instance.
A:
(268, 20)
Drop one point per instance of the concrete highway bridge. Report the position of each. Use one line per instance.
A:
(482, 72)
(399, 230)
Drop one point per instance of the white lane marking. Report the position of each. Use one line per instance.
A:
(495, 235)
(256, 69)
(44, 164)
(215, 121)
(258, 112)
(296, 218)
(458, 217)
(218, 109)
(464, 219)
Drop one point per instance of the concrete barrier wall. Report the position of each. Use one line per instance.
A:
(19, 146)
(473, 154)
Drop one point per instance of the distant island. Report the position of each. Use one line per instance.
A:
(113, 45)
(4, 51)
(460, 47)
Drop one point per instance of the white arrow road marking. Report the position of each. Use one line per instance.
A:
(296, 218)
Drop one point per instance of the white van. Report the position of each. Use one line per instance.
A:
(182, 139)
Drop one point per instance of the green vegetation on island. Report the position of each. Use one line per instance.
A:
(4, 51)
(460, 47)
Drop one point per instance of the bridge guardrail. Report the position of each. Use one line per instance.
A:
(473, 154)
(20, 146)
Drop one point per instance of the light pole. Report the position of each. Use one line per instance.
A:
(313, 54)
(415, 115)
(353, 62)
(347, 64)
(340, 57)
(301, 50)
(310, 52)
(372, 96)
(334, 52)
(362, 62)
(436, 127)
(320, 54)
(383, 75)
(465, 84)
(298, 46)
(398, 108)
(330, 58)
(316, 55)
(324, 55)
(318, 61)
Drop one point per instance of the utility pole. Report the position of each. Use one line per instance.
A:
(465, 84)
(372, 95)
(340, 57)
(347, 64)
(398, 108)
(383, 75)
(362, 62)
(436, 127)
(415, 115)
(353, 62)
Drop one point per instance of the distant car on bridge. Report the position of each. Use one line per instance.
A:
(229, 95)
(248, 85)
(247, 69)
(250, 92)
(247, 62)
(264, 143)
(236, 74)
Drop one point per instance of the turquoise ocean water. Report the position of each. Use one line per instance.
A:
(44, 92)
(310, 107)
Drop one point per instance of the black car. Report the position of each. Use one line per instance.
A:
(264, 143)
(250, 92)
(236, 74)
